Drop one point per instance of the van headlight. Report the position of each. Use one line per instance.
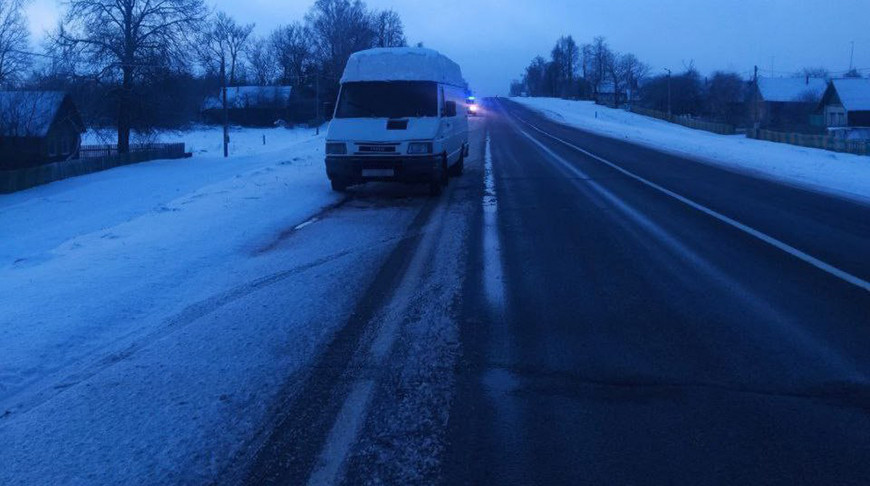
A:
(336, 148)
(419, 148)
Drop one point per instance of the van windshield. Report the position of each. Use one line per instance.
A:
(388, 99)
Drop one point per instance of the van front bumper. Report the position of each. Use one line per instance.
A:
(352, 169)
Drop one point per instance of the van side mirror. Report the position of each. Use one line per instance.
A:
(450, 109)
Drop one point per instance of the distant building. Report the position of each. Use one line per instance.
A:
(846, 103)
(250, 105)
(38, 127)
(607, 94)
(786, 103)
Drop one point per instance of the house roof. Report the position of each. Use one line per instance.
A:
(249, 97)
(789, 90)
(402, 64)
(28, 113)
(854, 93)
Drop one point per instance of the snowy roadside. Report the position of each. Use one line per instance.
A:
(88, 257)
(845, 175)
(108, 281)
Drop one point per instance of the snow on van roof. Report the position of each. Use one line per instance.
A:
(402, 64)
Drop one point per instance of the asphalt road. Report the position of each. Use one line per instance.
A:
(641, 340)
(580, 310)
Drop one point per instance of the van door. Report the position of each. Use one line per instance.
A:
(450, 124)
(444, 125)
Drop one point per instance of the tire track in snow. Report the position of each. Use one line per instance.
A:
(293, 449)
(179, 321)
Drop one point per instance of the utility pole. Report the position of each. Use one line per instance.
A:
(670, 113)
(226, 115)
(317, 102)
(755, 99)
(852, 58)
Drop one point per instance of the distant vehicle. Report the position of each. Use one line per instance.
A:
(473, 107)
(398, 118)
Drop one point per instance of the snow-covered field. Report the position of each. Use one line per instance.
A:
(96, 270)
(843, 174)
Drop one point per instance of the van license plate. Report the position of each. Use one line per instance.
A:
(378, 172)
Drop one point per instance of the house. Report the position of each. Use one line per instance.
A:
(846, 103)
(786, 103)
(607, 94)
(250, 105)
(38, 127)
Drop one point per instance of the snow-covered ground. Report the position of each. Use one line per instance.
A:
(206, 139)
(110, 285)
(836, 173)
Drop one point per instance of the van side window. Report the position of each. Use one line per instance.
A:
(454, 96)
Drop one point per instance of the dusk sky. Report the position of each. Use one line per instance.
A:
(493, 40)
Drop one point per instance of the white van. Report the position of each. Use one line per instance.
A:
(400, 116)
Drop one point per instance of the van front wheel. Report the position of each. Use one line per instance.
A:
(439, 179)
(459, 167)
(445, 171)
(338, 185)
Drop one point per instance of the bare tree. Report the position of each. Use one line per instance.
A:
(518, 88)
(14, 39)
(725, 95)
(602, 58)
(615, 74)
(565, 56)
(389, 31)
(535, 77)
(121, 39)
(585, 60)
(292, 53)
(221, 45)
(261, 59)
(339, 28)
(22, 113)
(814, 72)
(632, 71)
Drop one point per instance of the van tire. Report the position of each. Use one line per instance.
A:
(435, 188)
(445, 171)
(459, 168)
(338, 185)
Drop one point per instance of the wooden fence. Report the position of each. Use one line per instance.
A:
(92, 158)
(687, 121)
(170, 150)
(825, 142)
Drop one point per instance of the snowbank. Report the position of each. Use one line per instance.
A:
(835, 173)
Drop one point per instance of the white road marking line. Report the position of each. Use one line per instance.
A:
(307, 223)
(493, 273)
(349, 421)
(824, 352)
(343, 435)
(826, 267)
